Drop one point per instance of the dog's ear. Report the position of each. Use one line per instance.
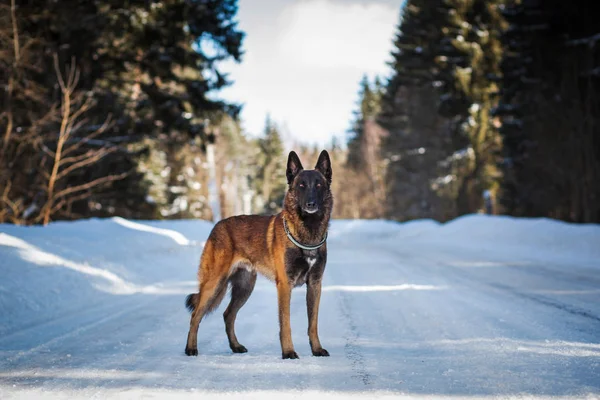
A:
(294, 166)
(324, 165)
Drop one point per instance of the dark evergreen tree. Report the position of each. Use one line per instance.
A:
(418, 137)
(270, 182)
(470, 54)
(369, 107)
(550, 110)
(163, 55)
(364, 152)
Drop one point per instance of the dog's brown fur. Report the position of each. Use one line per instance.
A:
(240, 246)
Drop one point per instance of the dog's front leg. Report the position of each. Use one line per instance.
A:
(284, 295)
(313, 297)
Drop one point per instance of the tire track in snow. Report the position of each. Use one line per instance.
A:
(83, 328)
(463, 276)
(574, 310)
(520, 293)
(65, 319)
(351, 349)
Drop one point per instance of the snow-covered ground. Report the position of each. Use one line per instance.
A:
(479, 307)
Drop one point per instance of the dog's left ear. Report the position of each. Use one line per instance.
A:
(324, 165)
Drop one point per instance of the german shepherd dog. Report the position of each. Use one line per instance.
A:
(288, 248)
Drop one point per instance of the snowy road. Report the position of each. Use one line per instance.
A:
(95, 309)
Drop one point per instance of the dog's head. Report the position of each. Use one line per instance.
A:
(310, 189)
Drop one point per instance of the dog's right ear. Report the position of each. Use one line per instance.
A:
(294, 166)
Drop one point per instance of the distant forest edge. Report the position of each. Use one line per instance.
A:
(490, 105)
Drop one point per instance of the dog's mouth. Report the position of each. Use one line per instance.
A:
(310, 210)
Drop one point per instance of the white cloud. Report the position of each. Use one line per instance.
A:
(304, 63)
(326, 34)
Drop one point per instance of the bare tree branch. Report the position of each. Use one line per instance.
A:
(92, 184)
(98, 132)
(69, 201)
(63, 135)
(15, 28)
(96, 156)
(11, 79)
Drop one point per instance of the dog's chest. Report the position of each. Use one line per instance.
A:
(299, 263)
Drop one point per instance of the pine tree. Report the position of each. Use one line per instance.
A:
(417, 139)
(364, 152)
(164, 72)
(470, 56)
(158, 55)
(359, 140)
(550, 110)
(235, 157)
(270, 182)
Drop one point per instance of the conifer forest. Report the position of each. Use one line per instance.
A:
(108, 108)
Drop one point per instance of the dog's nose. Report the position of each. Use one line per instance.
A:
(311, 204)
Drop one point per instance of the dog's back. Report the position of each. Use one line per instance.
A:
(244, 240)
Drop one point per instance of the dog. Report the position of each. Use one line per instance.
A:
(289, 248)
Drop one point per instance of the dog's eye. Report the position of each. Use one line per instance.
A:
(318, 185)
(302, 185)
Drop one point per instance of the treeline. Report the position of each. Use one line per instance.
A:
(492, 105)
(110, 108)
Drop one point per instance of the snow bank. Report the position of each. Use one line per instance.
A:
(176, 236)
(528, 239)
(69, 267)
(502, 237)
(378, 229)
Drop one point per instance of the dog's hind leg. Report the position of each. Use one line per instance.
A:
(213, 286)
(242, 284)
(211, 294)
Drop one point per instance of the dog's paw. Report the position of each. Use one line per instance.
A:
(191, 352)
(290, 354)
(320, 353)
(239, 349)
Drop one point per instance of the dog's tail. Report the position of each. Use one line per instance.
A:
(191, 301)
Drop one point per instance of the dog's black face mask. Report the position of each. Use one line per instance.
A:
(311, 188)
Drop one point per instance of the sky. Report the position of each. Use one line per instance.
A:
(304, 60)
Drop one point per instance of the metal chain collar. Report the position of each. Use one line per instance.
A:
(297, 243)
